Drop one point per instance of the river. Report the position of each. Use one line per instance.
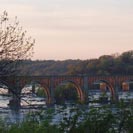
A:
(32, 103)
(28, 104)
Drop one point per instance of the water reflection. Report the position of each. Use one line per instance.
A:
(29, 102)
(33, 102)
(128, 95)
(33, 95)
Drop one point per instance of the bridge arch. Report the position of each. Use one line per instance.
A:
(6, 93)
(44, 87)
(127, 85)
(4, 84)
(109, 86)
(76, 86)
(7, 86)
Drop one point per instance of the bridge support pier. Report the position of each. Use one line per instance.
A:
(51, 99)
(116, 93)
(86, 89)
(50, 102)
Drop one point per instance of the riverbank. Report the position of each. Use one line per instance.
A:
(104, 119)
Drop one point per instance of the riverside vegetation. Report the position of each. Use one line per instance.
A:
(115, 118)
(104, 65)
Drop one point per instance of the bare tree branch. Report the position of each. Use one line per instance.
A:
(14, 44)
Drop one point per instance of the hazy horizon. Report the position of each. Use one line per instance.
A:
(75, 29)
(113, 54)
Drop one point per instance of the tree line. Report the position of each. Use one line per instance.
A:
(104, 65)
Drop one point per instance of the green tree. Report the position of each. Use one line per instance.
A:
(65, 93)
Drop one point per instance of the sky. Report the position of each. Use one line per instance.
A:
(74, 29)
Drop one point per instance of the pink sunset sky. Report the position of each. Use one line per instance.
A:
(75, 29)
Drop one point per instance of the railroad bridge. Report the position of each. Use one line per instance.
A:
(82, 83)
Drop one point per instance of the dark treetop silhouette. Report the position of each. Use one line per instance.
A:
(14, 44)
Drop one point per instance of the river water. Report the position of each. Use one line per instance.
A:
(28, 104)
(32, 103)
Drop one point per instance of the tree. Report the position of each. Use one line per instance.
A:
(14, 44)
(127, 57)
